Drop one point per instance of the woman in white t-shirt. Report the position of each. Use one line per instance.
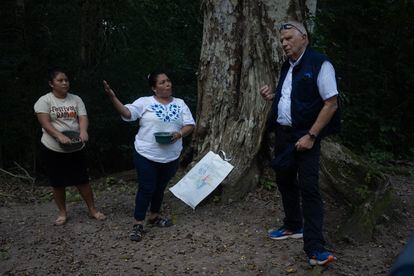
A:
(155, 163)
(59, 111)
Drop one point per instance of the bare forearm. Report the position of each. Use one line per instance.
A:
(45, 123)
(83, 123)
(186, 130)
(116, 102)
(51, 130)
(122, 110)
(325, 115)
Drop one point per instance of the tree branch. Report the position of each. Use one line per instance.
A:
(25, 177)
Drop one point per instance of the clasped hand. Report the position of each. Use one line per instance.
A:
(176, 136)
(266, 93)
(304, 143)
(63, 139)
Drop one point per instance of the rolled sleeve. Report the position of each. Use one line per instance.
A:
(326, 81)
(187, 116)
(41, 106)
(136, 109)
(80, 106)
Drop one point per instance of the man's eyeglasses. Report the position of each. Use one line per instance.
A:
(288, 26)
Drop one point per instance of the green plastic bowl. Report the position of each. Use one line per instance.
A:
(163, 137)
(75, 144)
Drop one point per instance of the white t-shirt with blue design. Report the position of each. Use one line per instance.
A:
(157, 117)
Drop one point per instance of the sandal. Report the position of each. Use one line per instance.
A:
(98, 216)
(61, 220)
(160, 222)
(136, 233)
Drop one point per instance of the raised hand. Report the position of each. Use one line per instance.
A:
(108, 90)
(116, 102)
(266, 93)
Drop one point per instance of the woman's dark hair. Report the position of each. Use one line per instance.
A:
(53, 71)
(152, 77)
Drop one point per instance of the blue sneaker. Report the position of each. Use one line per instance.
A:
(283, 233)
(321, 258)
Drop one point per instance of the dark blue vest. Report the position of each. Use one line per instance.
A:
(306, 103)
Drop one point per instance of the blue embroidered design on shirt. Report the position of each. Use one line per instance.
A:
(167, 113)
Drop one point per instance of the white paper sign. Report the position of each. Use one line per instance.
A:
(202, 179)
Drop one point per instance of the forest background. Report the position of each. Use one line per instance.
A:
(370, 43)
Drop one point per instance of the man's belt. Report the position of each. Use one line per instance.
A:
(284, 128)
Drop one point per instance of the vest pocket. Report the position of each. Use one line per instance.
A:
(305, 90)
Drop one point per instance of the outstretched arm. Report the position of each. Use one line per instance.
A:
(116, 102)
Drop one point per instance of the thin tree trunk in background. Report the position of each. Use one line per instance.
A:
(90, 27)
(240, 53)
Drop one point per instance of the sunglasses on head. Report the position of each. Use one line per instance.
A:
(288, 26)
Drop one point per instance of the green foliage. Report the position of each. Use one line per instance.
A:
(109, 181)
(73, 196)
(268, 184)
(370, 42)
(363, 192)
(216, 199)
(4, 254)
(120, 41)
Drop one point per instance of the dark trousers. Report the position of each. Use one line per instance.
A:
(301, 181)
(153, 178)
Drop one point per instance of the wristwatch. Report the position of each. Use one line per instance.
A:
(312, 136)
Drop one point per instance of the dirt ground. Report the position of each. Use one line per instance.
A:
(215, 239)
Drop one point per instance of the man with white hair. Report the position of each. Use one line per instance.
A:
(304, 111)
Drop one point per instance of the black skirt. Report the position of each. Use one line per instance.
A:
(65, 169)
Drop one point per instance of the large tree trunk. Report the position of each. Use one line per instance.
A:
(240, 53)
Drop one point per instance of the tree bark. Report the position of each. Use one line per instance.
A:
(365, 191)
(240, 53)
